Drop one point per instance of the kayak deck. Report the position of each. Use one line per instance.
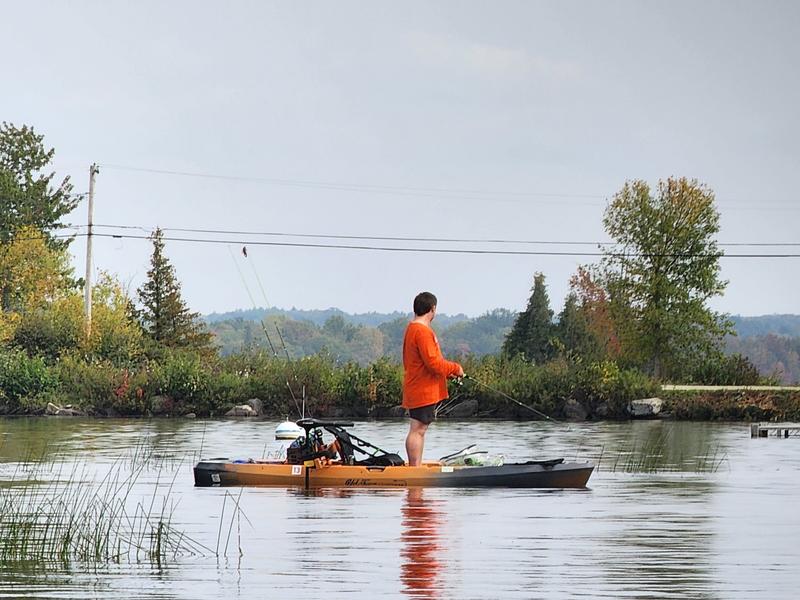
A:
(316, 474)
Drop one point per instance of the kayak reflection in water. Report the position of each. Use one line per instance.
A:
(420, 550)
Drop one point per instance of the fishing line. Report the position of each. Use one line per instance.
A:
(258, 279)
(263, 326)
(280, 335)
(241, 276)
(507, 397)
(267, 304)
(253, 301)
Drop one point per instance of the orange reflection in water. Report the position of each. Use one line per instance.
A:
(420, 567)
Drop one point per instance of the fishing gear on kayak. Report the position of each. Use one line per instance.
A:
(310, 446)
(473, 457)
(507, 397)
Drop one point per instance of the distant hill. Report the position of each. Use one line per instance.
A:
(776, 355)
(353, 337)
(771, 342)
(788, 325)
(319, 316)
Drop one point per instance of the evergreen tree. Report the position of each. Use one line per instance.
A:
(573, 330)
(533, 328)
(164, 315)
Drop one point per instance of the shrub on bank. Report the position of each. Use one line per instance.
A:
(602, 388)
(734, 405)
(181, 376)
(733, 369)
(605, 384)
(100, 386)
(24, 379)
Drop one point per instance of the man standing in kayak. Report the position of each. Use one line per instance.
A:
(425, 374)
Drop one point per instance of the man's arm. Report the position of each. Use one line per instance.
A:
(432, 356)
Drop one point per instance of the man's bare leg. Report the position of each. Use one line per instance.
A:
(415, 442)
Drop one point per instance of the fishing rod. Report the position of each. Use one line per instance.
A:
(507, 397)
(280, 335)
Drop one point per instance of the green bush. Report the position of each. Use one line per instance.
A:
(24, 378)
(47, 333)
(603, 388)
(733, 369)
(543, 387)
(606, 384)
(351, 387)
(101, 386)
(385, 383)
(259, 375)
(181, 376)
(85, 383)
(225, 390)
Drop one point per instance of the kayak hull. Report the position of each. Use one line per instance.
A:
(523, 475)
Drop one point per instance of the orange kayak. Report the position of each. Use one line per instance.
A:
(533, 474)
(312, 464)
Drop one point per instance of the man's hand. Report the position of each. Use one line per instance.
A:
(460, 372)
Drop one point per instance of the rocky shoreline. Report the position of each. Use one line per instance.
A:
(740, 404)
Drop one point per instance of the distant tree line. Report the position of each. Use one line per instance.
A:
(319, 316)
(346, 341)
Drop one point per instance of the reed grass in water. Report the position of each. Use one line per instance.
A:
(71, 518)
(653, 456)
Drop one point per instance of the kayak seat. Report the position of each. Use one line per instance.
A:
(383, 460)
(547, 464)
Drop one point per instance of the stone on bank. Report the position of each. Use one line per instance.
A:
(646, 407)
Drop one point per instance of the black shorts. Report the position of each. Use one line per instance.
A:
(424, 414)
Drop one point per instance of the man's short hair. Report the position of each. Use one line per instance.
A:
(424, 303)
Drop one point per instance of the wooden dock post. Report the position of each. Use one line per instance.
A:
(784, 430)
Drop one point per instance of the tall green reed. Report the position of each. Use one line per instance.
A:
(67, 516)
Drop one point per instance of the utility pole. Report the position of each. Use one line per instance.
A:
(93, 170)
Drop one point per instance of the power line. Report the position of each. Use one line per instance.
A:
(346, 186)
(436, 250)
(410, 238)
(430, 192)
(420, 250)
(149, 230)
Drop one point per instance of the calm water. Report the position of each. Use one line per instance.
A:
(716, 516)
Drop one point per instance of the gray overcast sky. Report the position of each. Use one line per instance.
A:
(547, 107)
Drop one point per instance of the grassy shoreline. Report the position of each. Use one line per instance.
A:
(178, 384)
(734, 404)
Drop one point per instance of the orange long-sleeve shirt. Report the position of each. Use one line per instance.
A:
(425, 369)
